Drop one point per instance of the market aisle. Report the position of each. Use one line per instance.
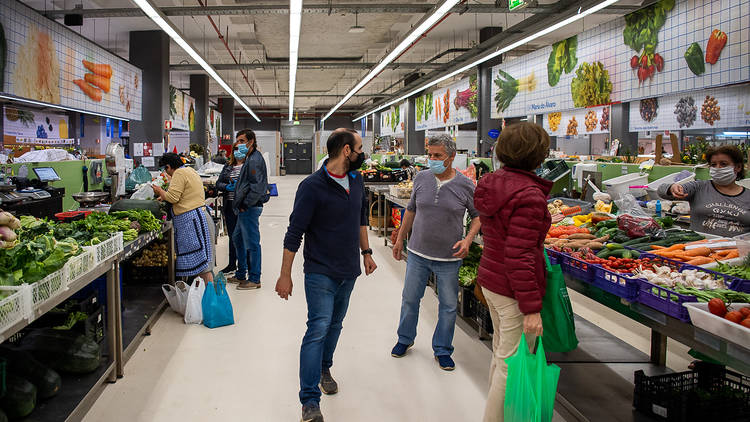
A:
(248, 372)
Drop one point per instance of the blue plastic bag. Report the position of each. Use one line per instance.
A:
(217, 308)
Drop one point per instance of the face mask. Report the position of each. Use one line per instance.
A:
(240, 152)
(722, 176)
(356, 164)
(437, 166)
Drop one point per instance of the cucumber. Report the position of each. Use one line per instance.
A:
(635, 254)
(20, 397)
(604, 253)
(637, 240)
(614, 246)
(620, 253)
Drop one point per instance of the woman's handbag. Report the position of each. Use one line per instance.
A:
(217, 308)
(559, 328)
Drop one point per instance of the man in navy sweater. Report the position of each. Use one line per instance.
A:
(330, 211)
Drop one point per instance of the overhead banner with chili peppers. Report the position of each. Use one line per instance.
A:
(48, 62)
(453, 105)
(670, 47)
(706, 109)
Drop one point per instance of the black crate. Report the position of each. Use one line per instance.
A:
(468, 303)
(144, 275)
(710, 393)
(387, 176)
(371, 177)
(483, 318)
(93, 326)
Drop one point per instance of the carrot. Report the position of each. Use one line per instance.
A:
(734, 253)
(98, 81)
(93, 92)
(698, 252)
(700, 260)
(656, 247)
(100, 69)
(724, 252)
(676, 246)
(716, 257)
(697, 242)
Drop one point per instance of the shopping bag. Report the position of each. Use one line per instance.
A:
(171, 294)
(138, 176)
(217, 308)
(182, 290)
(194, 307)
(547, 377)
(559, 328)
(144, 192)
(521, 401)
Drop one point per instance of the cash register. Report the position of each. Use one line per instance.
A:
(45, 175)
(35, 197)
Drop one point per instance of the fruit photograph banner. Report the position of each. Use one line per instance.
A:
(45, 61)
(589, 121)
(653, 52)
(453, 105)
(706, 109)
(181, 110)
(25, 123)
(393, 120)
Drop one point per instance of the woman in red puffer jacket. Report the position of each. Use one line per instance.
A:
(512, 203)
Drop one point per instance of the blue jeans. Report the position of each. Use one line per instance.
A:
(418, 270)
(247, 243)
(231, 220)
(327, 302)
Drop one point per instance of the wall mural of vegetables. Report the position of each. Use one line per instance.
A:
(562, 59)
(591, 85)
(508, 87)
(428, 105)
(694, 59)
(419, 105)
(716, 43)
(641, 34)
(468, 97)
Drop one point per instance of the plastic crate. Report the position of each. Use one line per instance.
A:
(579, 269)
(14, 307)
(387, 176)
(554, 256)
(371, 177)
(484, 319)
(47, 288)
(69, 216)
(144, 275)
(699, 396)
(79, 265)
(621, 285)
(108, 248)
(665, 300)
(467, 302)
(586, 206)
(619, 186)
(718, 326)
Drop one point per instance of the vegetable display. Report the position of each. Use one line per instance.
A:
(591, 85)
(562, 59)
(641, 34)
(155, 256)
(508, 87)
(467, 273)
(694, 59)
(468, 98)
(739, 316)
(716, 43)
(8, 223)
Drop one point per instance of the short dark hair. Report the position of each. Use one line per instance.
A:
(250, 135)
(405, 163)
(733, 152)
(171, 159)
(338, 140)
(523, 146)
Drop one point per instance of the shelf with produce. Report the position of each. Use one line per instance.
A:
(144, 240)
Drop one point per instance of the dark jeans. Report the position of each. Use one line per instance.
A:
(247, 241)
(327, 302)
(231, 218)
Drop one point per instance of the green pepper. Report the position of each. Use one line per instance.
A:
(694, 59)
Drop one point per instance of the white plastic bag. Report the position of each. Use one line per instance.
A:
(182, 290)
(171, 294)
(144, 192)
(194, 305)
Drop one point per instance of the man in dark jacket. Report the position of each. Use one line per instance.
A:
(251, 192)
(330, 211)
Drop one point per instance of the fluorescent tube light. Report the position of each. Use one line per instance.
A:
(503, 50)
(736, 133)
(410, 38)
(59, 107)
(161, 20)
(295, 22)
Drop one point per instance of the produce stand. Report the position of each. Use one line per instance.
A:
(81, 391)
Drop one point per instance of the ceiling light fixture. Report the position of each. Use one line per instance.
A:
(503, 50)
(295, 23)
(161, 20)
(356, 29)
(426, 23)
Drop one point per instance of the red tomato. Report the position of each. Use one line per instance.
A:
(734, 316)
(745, 311)
(717, 307)
(746, 323)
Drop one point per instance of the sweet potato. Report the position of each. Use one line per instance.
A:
(595, 245)
(584, 236)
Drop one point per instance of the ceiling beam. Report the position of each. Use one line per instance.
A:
(297, 95)
(303, 65)
(282, 9)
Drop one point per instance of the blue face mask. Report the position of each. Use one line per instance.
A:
(437, 166)
(240, 152)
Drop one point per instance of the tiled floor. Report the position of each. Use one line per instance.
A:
(248, 372)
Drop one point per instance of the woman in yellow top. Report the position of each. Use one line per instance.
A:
(192, 224)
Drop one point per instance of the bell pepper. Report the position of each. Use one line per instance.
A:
(694, 59)
(580, 220)
(716, 43)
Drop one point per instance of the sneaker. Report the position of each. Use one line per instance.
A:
(327, 384)
(228, 269)
(311, 413)
(445, 362)
(235, 280)
(399, 350)
(248, 285)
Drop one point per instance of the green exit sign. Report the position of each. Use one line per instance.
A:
(516, 4)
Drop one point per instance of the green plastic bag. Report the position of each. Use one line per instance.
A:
(531, 385)
(559, 328)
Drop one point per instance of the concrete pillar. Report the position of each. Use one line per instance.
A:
(414, 138)
(620, 124)
(199, 91)
(484, 122)
(226, 108)
(149, 50)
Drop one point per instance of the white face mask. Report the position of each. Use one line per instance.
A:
(723, 176)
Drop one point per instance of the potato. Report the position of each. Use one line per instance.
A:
(583, 236)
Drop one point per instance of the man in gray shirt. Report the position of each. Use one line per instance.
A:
(435, 215)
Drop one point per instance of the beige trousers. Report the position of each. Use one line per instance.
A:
(507, 321)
